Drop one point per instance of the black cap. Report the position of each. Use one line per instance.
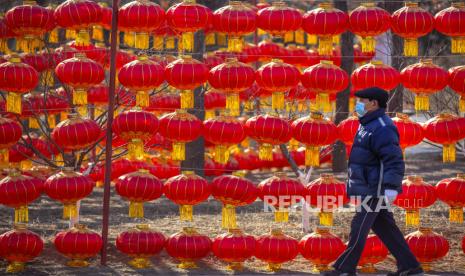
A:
(374, 93)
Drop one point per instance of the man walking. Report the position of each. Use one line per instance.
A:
(376, 170)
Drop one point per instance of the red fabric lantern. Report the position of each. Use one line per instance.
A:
(445, 129)
(68, 187)
(374, 252)
(268, 130)
(449, 21)
(17, 191)
(428, 246)
(449, 191)
(186, 190)
(457, 83)
(276, 248)
(234, 247)
(376, 74)
(138, 187)
(325, 79)
(78, 244)
(416, 194)
(280, 192)
(325, 22)
(76, 133)
(410, 23)
(321, 248)
(223, 132)
(369, 21)
(164, 102)
(213, 100)
(424, 78)
(410, 133)
(10, 133)
(140, 243)
(188, 246)
(233, 191)
(314, 131)
(326, 193)
(279, 19)
(19, 246)
(347, 130)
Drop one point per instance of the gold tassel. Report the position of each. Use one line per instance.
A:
(456, 214)
(336, 40)
(325, 45)
(410, 47)
(235, 266)
(97, 33)
(448, 153)
(260, 32)
(13, 103)
(291, 107)
(170, 42)
(140, 263)
(4, 158)
(221, 39)
(312, 156)
(209, 114)
(129, 39)
(458, 45)
(83, 38)
(53, 36)
(265, 152)
(179, 151)
(142, 41)
(25, 165)
(245, 143)
(70, 34)
(294, 144)
(233, 104)
(273, 267)
(187, 99)
(80, 97)
(228, 217)
(323, 103)
(63, 115)
(82, 110)
(248, 106)
(21, 214)
(299, 37)
(77, 263)
(15, 267)
(59, 159)
(51, 121)
(351, 104)
(187, 42)
(187, 265)
(186, 212)
(70, 211)
(412, 218)
(221, 154)
(210, 39)
(4, 46)
(281, 216)
(318, 268)
(142, 98)
(157, 43)
(99, 184)
(421, 102)
(33, 123)
(277, 100)
(312, 39)
(235, 44)
(136, 149)
(289, 37)
(368, 44)
(136, 209)
(462, 104)
(46, 78)
(326, 218)
(426, 266)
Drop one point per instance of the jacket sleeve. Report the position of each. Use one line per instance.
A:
(385, 144)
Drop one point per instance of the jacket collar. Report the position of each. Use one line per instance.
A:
(372, 116)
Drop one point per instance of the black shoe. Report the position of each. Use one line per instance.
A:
(412, 272)
(337, 273)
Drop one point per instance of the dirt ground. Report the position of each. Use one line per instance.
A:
(45, 216)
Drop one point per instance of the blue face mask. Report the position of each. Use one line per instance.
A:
(360, 109)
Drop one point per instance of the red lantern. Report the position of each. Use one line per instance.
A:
(141, 17)
(457, 83)
(314, 131)
(234, 247)
(279, 19)
(424, 78)
(235, 20)
(17, 191)
(213, 100)
(449, 21)
(321, 248)
(186, 190)
(68, 187)
(138, 187)
(449, 191)
(325, 79)
(347, 130)
(10, 133)
(428, 246)
(410, 133)
(140, 243)
(326, 193)
(410, 23)
(78, 244)
(223, 132)
(280, 192)
(276, 248)
(19, 246)
(164, 102)
(416, 194)
(369, 21)
(188, 17)
(232, 191)
(374, 74)
(188, 246)
(5, 34)
(374, 252)
(445, 129)
(325, 22)
(186, 74)
(76, 133)
(268, 130)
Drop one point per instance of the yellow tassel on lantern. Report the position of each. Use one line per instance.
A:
(33, 123)
(142, 98)
(187, 265)
(187, 41)
(186, 212)
(448, 153)
(25, 165)
(351, 104)
(136, 149)
(368, 44)
(142, 41)
(70, 211)
(53, 36)
(421, 102)
(299, 37)
(245, 143)
(3, 46)
(210, 39)
(187, 99)
(312, 156)
(325, 45)
(77, 263)
(323, 103)
(294, 144)
(59, 159)
(4, 158)
(248, 106)
(97, 33)
(51, 121)
(265, 152)
(233, 104)
(83, 38)
(170, 43)
(273, 267)
(277, 100)
(140, 263)
(462, 104)
(136, 209)
(312, 39)
(318, 268)
(228, 217)
(157, 42)
(80, 97)
(21, 214)
(326, 218)
(209, 114)
(456, 214)
(336, 40)
(129, 39)
(412, 218)
(221, 39)
(235, 266)
(82, 110)
(235, 44)
(15, 267)
(411, 47)
(289, 37)
(221, 154)
(13, 103)
(46, 78)
(260, 32)
(179, 151)
(281, 216)
(457, 45)
(70, 34)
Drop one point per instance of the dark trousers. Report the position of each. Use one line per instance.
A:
(383, 224)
